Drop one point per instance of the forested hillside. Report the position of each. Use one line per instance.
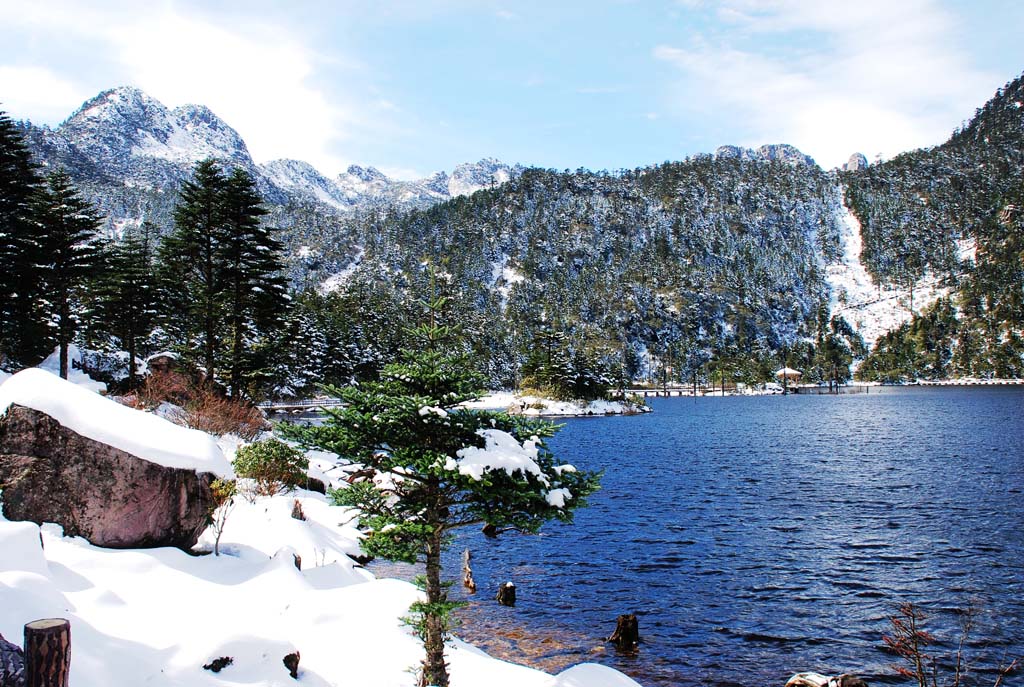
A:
(714, 258)
(915, 209)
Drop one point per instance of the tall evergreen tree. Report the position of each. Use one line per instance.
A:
(252, 278)
(222, 274)
(189, 267)
(19, 180)
(128, 295)
(69, 255)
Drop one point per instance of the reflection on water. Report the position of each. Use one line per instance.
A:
(758, 537)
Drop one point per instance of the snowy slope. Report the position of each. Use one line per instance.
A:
(155, 617)
(871, 309)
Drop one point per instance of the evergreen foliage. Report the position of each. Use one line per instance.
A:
(69, 256)
(222, 276)
(408, 427)
(127, 296)
(274, 465)
(21, 339)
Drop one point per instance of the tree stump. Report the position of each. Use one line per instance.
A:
(47, 653)
(507, 594)
(627, 633)
(467, 573)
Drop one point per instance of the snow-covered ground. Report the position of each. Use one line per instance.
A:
(535, 405)
(870, 309)
(157, 616)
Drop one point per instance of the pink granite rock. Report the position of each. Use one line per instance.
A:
(49, 473)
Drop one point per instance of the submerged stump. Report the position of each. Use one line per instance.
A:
(627, 633)
(467, 573)
(507, 594)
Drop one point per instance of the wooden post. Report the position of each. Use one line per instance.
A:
(467, 573)
(47, 653)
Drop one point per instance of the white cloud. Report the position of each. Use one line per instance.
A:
(876, 75)
(258, 82)
(254, 75)
(37, 93)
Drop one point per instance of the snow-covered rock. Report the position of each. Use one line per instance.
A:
(780, 152)
(856, 163)
(92, 416)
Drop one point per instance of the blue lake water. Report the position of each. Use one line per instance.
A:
(756, 537)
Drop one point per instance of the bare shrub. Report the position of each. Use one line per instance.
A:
(909, 640)
(203, 407)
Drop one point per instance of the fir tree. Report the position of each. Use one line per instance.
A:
(409, 427)
(127, 295)
(189, 269)
(19, 326)
(222, 276)
(251, 273)
(69, 255)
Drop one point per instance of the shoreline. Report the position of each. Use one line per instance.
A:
(536, 406)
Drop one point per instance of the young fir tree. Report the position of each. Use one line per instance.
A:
(69, 256)
(189, 267)
(127, 293)
(434, 470)
(19, 181)
(253, 282)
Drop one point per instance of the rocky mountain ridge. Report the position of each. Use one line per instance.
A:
(129, 153)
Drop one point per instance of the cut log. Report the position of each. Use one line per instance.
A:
(627, 633)
(47, 653)
(507, 594)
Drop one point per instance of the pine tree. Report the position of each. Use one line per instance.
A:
(252, 278)
(19, 181)
(189, 269)
(408, 427)
(127, 293)
(222, 276)
(70, 255)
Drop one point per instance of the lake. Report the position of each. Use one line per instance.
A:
(756, 537)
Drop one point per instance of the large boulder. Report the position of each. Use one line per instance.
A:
(49, 473)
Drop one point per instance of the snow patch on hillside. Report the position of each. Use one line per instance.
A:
(872, 310)
(338, 279)
(503, 278)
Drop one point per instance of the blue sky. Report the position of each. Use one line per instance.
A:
(416, 86)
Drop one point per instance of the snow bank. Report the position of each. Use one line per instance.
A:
(75, 376)
(258, 530)
(535, 405)
(156, 616)
(90, 415)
